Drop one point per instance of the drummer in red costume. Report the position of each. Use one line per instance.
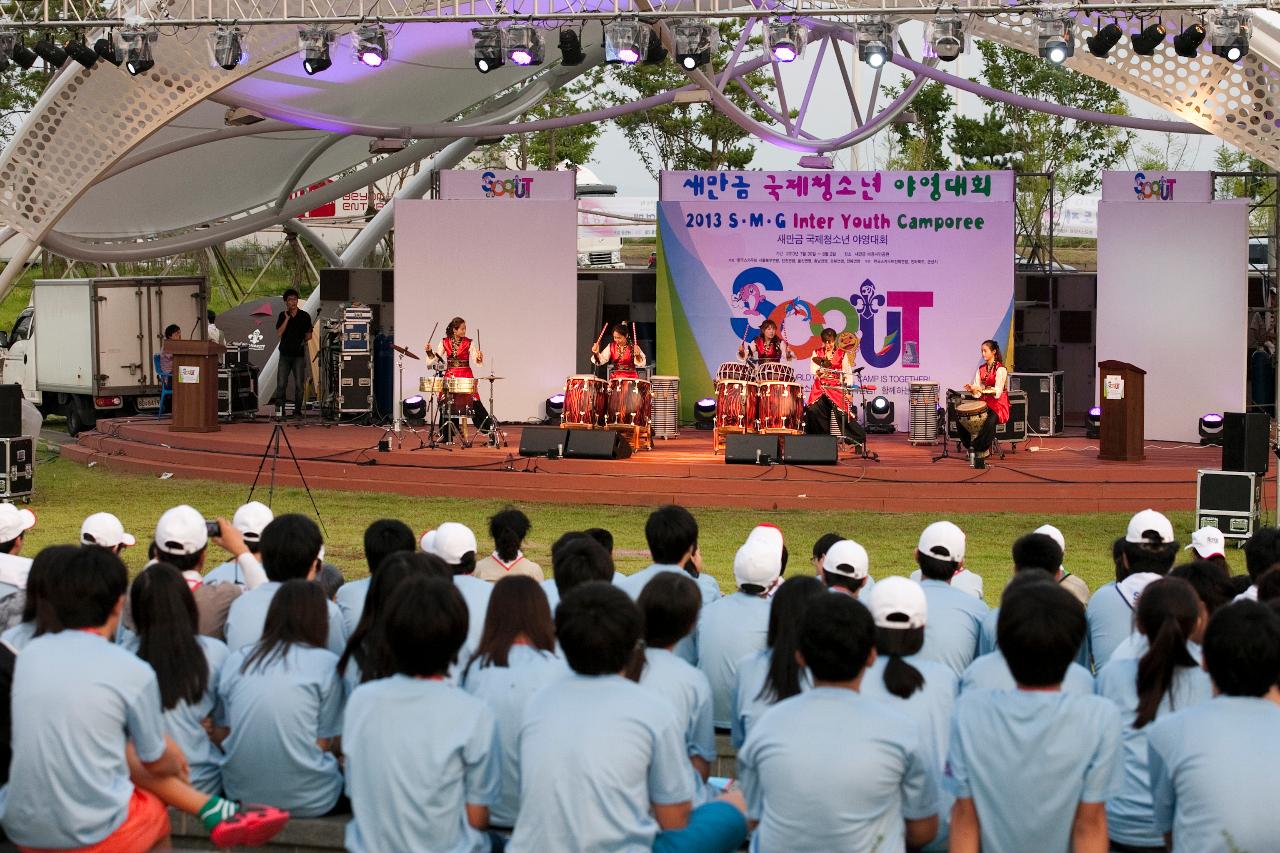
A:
(990, 384)
(832, 368)
(621, 353)
(767, 348)
(455, 351)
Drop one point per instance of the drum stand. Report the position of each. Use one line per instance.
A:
(395, 432)
(940, 430)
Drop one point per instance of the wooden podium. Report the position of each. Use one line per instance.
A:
(195, 385)
(1120, 393)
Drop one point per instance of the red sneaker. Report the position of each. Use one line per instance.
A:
(250, 827)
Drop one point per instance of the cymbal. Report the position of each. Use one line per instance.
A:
(405, 351)
(491, 377)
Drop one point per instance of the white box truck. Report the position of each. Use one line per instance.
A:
(86, 348)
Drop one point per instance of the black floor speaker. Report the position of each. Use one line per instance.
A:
(1244, 441)
(543, 441)
(596, 444)
(810, 450)
(750, 449)
(10, 411)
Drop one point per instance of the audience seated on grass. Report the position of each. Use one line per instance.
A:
(515, 658)
(508, 530)
(422, 756)
(43, 567)
(605, 538)
(14, 524)
(1072, 584)
(456, 545)
(1147, 552)
(1209, 544)
(1213, 587)
(381, 539)
(963, 579)
(250, 520)
(92, 764)
(830, 769)
(291, 549)
(577, 558)
(1032, 768)
(1033, 553)
(603, 764)
(846, 567)
(955, 617)
(1261, 555)
(282, 701)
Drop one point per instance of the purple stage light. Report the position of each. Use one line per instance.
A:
(371, 58)
(629, 56)
(520, 56)
(784, 53)
(1095, 411)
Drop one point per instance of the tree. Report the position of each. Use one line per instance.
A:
(1169, 156)
(689, 136)
(548, 149)
(920, 145)
(19, 91)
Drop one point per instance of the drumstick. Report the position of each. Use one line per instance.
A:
(635, 344)
(432, 337)
(600, 337)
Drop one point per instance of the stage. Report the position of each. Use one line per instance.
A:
(1051, 475)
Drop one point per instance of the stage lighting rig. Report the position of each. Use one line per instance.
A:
(313, 44)
(786, 40)
(136, 44)
(227, 46)
(414, 410)
(107, 50)
(1106, 38)
(489, 51)
(1211, 429)
(880, 415)
(655, 53)
(1146, 42)
(524, 45)
(1187, 43)
(1094, 426)
(23, 56)
(696, 43)
(625, 42)
(371, 45)
(78, 50)
(571, 48)
(1229, 35)
(875, 41)
(1055, 36)
(704, 413)
(947, 37)
(555, 408)
(53, 56)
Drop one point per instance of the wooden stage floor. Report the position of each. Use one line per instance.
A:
(1060, 474)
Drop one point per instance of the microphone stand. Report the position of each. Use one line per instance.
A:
(862, 395)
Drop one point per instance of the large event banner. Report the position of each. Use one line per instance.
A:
(918, 265)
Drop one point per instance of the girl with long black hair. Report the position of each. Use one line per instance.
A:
(37, 620)
(1165, 679)
(283, 703)
(990, 385)
(187, 666)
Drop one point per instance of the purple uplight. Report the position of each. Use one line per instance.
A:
(628, 55)
(1095, 411)
(1212, 418)
(372, 58)
(784, 53)
(520, 56)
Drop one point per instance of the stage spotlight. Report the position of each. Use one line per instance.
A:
(1093, 427)
(414, 409)
(880, 415)
(81, 52)
(696, 42)
(947, 38)
(313, 44)
(136, 42)
(1055, 37)
(1211, 429)
(1187, 43)
(53, 56)
(227, 47)
(107, 50)
(655, 53)
(704, 413)
(625, 42)
(1107, 37)
(23, 56)
(555, 408)
(1146, 42)
(488, 51)
(1229, 35)
(875, 41)
(524, 45)
(371, 45)
(786, 40)
(571, 48)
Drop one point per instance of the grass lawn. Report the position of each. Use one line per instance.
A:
(67, 492)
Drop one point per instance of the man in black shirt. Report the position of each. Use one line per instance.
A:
(294, 328)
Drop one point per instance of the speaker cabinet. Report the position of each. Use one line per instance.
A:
(1229, 501)
(596, 444)
(543, 441)
(1036, 358)
(810, 450)
(751, 449)
(10, 411)
(1244, 442)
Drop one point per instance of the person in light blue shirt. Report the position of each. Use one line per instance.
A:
(1171, 680)
(384, 537)
(670, 604)
(923, 690)
(516, 658)
(603, 764)
(1215, 767)
(456, 545)
(1148, 547)
(955, 617)
(577, 558)
(767, 677)
(282, 700)
(1034, 552)
(47, 563)
(991, 672)
(1032, 768)
(250, 519)
(422, 756)
(830, 769)
(290, 549)
(737, 625)
(187, 666)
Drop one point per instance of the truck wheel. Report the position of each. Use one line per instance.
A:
(80, 416)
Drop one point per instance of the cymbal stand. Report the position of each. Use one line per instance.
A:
(399, 425)
(494, 434)
(862, 396)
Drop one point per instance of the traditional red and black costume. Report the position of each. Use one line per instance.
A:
(456, 355)
(992, 380)
(831, 375)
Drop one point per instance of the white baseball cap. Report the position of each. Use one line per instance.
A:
(104, 530)
(768, 534)
(1151, 520)
(1208, 542)
(251, 519)
(14, 522)
(453, 541)
(847, 558)
(428, 542)
(943, 540)
(1053, 533)
(896, 602)
(757, 564)
(181, 531)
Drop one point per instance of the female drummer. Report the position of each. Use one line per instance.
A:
(455, 352)
(990, 384)
(767, 348)
(832, 369)
(622, 353)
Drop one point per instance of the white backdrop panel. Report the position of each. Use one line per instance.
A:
(509, 268)
(1173, 300)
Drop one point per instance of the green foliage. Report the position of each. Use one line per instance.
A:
(19, 91)
(1261, 190)
(547, 149)
(921, 146)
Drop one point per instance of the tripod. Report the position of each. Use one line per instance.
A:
(398, 422)
(273, 450)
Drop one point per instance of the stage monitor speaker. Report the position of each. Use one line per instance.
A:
(810, 450)
(1244, 442)
(10, 411)
(751, 449)
(1035, 358)
(543, 441)
(596, 444)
